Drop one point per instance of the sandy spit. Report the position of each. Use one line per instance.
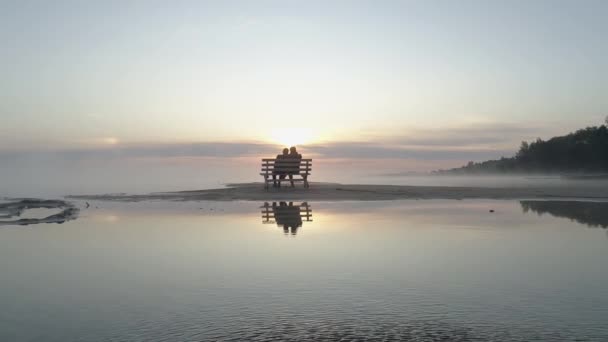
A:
(357, 192)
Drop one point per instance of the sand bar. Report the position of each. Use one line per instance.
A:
(359, 192)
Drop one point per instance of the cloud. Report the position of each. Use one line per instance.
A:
(480, 142)
(486, 135)
(115, 150)
(341, 150)
(359, 150)
(474, 142)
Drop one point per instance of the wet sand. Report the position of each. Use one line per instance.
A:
(358, 192)
(10, 212)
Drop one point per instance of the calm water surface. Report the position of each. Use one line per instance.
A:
(405, 270)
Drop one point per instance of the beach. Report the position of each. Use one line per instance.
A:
(360, 192)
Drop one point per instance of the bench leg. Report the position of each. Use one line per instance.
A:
(306, 182)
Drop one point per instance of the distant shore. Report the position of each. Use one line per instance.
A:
(358, 192)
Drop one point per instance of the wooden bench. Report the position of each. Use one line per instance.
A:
(287, 167)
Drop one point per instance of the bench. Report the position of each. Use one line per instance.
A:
(287, 167)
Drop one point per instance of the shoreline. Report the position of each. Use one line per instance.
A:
(358, 192)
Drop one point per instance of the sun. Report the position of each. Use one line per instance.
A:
(291, 136)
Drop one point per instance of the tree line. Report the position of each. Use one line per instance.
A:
(584, 151)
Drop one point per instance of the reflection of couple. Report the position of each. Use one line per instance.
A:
(284, 165)
(287, 216)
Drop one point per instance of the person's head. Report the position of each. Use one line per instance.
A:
(293, 150)
(285, 151)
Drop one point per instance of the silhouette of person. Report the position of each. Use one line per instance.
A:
(287, 216)
(294, 155)
(278, 165)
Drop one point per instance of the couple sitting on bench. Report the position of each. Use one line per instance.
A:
(283, 169)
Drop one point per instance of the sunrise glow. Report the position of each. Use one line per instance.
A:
(292, 136)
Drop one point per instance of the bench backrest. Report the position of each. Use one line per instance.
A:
(296, 166)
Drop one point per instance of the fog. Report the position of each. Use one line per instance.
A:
(49, 177)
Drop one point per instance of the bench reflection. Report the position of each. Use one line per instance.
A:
(287, 215)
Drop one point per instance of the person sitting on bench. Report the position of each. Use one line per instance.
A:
(278, 165)
(293, 155)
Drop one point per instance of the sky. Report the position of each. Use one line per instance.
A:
(418, 84)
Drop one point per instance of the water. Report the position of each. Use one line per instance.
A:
(404, 270)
